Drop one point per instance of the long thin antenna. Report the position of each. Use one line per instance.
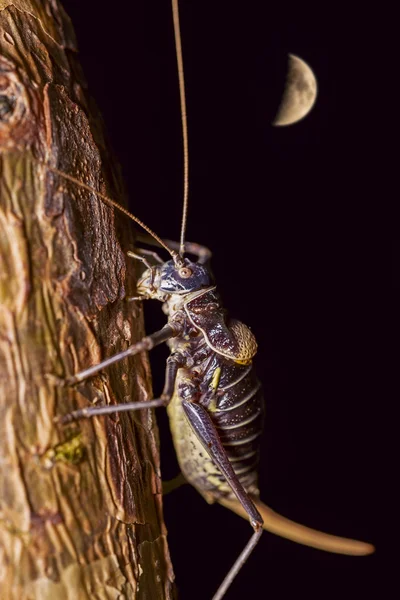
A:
(114, 204)
(179, 59)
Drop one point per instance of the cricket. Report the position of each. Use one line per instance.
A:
(212, 395)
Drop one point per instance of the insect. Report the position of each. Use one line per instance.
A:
(213, 396)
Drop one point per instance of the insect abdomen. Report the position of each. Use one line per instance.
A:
(237, 414)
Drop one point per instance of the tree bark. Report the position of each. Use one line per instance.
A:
(81, 506)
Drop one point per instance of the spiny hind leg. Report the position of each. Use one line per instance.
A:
(206, 432)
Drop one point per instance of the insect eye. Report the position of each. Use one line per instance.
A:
(185, 272)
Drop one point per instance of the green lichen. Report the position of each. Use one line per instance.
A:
(71, 452)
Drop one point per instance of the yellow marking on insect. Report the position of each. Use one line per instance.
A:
(243, 362)
(215, 379)
(212, 407)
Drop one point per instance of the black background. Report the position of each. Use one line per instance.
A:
(284, 211)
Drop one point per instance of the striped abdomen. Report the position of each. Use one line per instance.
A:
(237, 412)
(238, 416)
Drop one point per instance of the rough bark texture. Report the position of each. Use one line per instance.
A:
(81, 512)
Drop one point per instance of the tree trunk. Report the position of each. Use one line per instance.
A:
(81, 505)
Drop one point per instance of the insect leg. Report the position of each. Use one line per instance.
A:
(147, 343)
(139, 256)
(205, 430)
(202, 252)
(142, 259)
(174, 362)
(173, 484)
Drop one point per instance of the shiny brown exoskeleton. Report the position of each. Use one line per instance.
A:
(214, 355)
(213, 397)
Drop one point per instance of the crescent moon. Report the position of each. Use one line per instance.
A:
(299, 95)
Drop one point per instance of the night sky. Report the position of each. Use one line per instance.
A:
(284, 212)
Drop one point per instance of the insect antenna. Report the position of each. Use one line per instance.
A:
(181, 76)
(114, 204)
(177, 256)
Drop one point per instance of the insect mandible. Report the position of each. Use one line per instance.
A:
(213, 397)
